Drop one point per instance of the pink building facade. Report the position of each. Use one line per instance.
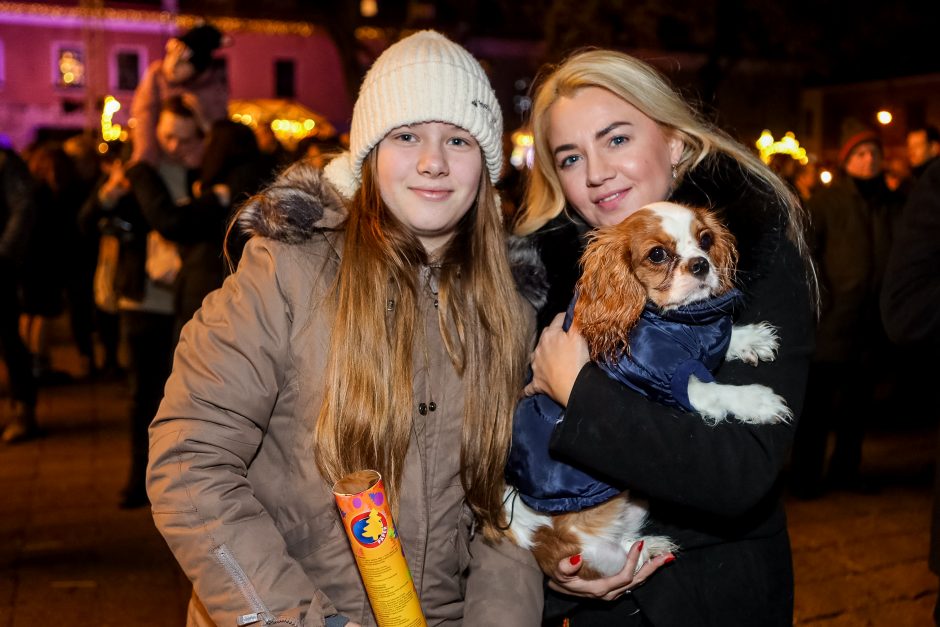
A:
(57, 64)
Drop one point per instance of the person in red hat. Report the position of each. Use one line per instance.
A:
(187, 70)
(850, 238)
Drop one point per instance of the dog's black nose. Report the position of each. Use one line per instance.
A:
(698, 266)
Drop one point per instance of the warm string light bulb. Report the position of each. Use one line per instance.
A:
(788, 145)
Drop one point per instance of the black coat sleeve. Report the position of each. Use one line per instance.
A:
(910, 297)
(675, 458)
(18, 213)
(200, 220)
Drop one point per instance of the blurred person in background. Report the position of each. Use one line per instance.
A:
(910, 302)
(98, 222)
(800, 177)
(187, 69)
(149, 265)
(898, 175)
(51, 257)
(850, 236)
(82, 150)
(17, 217)
(233, 169)
(923, 148)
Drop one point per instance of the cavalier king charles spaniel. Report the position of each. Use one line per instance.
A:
(651, 270)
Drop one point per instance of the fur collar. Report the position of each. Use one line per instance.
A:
(301, 202)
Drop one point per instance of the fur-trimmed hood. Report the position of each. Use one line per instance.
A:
(301, 202)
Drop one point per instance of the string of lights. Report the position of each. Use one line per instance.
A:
(99, 17)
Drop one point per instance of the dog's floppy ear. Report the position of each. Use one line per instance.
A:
(610, 297)
(723, 253)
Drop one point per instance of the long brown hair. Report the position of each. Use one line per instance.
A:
(366, 417)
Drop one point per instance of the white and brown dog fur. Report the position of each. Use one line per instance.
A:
(673, 256)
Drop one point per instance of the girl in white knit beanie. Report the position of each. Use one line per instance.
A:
(373, 323)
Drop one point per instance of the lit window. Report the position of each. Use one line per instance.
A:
(69, 66)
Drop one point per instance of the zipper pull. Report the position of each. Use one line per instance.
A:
(248, 619)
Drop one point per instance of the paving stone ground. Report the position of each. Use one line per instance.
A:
(70, 556)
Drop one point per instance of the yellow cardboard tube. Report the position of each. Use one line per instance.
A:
(367, 519)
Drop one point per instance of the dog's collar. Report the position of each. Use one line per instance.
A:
(699, 312)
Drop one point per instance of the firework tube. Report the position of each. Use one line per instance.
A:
(367, 519)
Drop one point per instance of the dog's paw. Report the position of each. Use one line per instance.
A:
(653, 546)
(758, 404)
(753, 343)
(753, 404)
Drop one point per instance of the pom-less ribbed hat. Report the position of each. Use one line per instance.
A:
(422, 78)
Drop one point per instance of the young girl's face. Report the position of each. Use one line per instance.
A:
(429, 177)
(610, 157)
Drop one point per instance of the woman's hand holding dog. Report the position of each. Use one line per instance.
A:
(557, 360)
(565, 579)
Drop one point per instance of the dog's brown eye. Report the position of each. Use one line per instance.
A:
(658, 255)
(706, 240)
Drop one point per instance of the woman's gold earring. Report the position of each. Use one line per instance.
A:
(675, 172)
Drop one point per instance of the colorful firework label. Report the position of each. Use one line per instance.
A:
(367, 519)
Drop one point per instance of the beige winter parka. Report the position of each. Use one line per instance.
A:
(234, 486)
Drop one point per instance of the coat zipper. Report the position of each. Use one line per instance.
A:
(259, 612)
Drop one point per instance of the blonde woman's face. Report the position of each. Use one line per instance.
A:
(611, 159)
(429, 176)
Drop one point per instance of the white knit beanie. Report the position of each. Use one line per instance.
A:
(422, 78)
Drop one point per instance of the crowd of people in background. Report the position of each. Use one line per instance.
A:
(127, 241)
(71, 213)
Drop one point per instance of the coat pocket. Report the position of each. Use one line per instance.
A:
(308, 536)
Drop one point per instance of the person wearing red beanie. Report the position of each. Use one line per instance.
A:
(850, 237)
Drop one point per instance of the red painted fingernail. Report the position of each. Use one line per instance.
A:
(575, 559)
(669, 559)
(639, 546)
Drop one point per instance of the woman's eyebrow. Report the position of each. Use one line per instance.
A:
(601, 133)
(609, 128)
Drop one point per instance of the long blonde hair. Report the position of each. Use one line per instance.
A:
(366, 418)
(642, 86)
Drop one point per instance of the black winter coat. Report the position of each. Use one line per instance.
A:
(198, 229)
(910, 299)
(714, 490)
(17, 211)
(850, 235)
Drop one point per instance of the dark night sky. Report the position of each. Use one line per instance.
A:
(834, 40)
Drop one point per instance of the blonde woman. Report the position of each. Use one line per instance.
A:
(372, 323)
(611, 135)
